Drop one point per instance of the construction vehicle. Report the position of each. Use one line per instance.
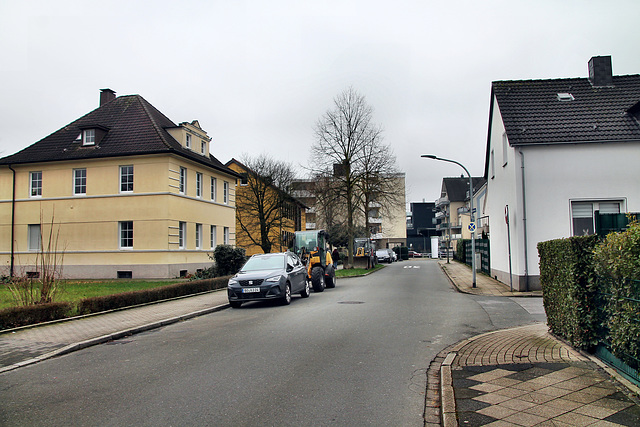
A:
(365, 250)
(311, 247)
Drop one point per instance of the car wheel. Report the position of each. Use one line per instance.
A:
(306, 291)
(286, 299)
(317, 279)
(235, 304)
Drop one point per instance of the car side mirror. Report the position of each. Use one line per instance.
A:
(289, 268)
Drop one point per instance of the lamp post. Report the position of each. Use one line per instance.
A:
(472, 216)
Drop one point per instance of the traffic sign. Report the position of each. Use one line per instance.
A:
(472, 227)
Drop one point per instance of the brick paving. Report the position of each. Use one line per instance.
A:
(525, 377)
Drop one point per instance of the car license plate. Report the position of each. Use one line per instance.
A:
(250, 290)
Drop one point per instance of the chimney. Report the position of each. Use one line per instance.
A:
(600, 71)
(106, 95)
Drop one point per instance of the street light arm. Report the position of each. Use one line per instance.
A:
(431, 156)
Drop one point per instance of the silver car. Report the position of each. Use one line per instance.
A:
(269, 277)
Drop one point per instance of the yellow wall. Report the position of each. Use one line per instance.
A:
(88, 224)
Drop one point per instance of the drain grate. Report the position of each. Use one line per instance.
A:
(350, 302)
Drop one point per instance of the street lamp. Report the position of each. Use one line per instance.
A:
(472, 217)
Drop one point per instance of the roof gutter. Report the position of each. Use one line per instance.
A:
(13, 221)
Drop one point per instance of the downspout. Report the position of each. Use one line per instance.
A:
(13, 220)
(524, 223)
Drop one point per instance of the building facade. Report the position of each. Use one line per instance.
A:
(127, 192)
(558, 150)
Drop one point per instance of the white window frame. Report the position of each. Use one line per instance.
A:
(183, 180)
(89, 137)
(188, 142)
(35, 178)
(35, 238)
(123, 240)
(226, 235)
(505, 149)
(492, 164)
(214, 189)
(199, 236)
(124, 173)
(203, 147)
(182, 235)
(199, 183)
(213, 236)
(79, 187)
(225, 192)
(595, 206)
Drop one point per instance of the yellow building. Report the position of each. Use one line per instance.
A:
(282, 215)
(129, 194)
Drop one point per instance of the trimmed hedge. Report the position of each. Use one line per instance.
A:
(569, 289)
(22, 316)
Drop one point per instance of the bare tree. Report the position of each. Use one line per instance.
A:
(342, 135)
(262, 203)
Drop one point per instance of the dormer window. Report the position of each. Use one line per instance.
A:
(203, 147)
(89, 137)
(188, 142)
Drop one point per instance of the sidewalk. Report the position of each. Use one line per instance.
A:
(522, 377)
(24, 346)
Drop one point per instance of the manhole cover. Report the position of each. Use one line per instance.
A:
(350, 302)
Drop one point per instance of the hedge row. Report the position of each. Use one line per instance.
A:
(21, 316)
(591, 291)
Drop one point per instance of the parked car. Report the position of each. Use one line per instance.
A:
(269, 277)
(383, 256)
(394, 256)
(413, 254)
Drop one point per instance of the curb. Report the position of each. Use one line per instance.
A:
(113, 336)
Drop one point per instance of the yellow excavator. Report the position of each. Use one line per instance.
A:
(365, 250)
(311, 247)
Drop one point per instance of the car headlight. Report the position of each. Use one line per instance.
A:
(273, 279)
(233, 281)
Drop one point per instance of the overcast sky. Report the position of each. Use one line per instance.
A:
(258, 74)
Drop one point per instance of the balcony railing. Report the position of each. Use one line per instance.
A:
(442, 201)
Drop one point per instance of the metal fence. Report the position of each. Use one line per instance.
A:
(482, 250)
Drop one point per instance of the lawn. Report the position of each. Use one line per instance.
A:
(75, 290)
(353, 272)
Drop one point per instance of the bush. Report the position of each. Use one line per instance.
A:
(569, 289)
(228, 260)
(617, 264)
(27, 315)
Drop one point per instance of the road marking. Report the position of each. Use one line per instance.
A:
(411, 266)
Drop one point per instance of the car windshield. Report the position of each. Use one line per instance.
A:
(271, 262)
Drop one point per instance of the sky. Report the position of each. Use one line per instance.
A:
(258, 75)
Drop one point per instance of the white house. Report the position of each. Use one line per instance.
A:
(557, 151)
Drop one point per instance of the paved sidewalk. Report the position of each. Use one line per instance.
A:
(523, 377)
(29, 345)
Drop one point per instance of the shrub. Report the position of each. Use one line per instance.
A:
(228, 260)
(569, 289)
(20, 316)
(617, 264)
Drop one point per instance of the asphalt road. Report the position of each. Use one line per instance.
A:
(353, 355)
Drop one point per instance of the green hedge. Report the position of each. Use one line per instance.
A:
(22, 316)
(569, 289)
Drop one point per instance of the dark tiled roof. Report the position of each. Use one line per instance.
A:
(458, 188)
(135, 127)
(532, 113)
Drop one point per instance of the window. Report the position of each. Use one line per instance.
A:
(244, 180)
(203, 147)
(126, 234)
(35, 237)
(35, 179)
(183, 180)
(126, 179)
(213, 236)
(89, 137)
(188, 143)
(505, 151)
(199, 183)
(79, 181)
(198, 236)
(214, 183)
(182, 234)
(226, 235)
(582, 215)
(225, 194)
(492, 165)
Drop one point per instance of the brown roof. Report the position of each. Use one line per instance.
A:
(133, 127)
